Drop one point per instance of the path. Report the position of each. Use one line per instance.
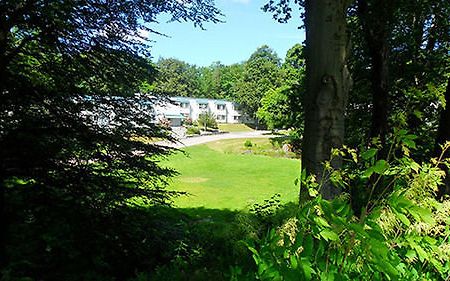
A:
(204, 139)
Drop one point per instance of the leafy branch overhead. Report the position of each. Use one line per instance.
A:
(70, 122)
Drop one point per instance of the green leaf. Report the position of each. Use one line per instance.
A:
(420, 252)
(327, 276)
(321, 221)
(369, 154)
(409, 143)
(328, 234)
(403, 219)
(410, 254)
(356, 227)
(380, 166)
(293, 261)
(308, 246)
(423, 213)
(307, 269)
(367, 173)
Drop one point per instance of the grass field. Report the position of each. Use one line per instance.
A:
(234, 128)
(259, 146)
(216, 179)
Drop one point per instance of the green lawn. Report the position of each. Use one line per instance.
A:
(219, 180)
(234, 128)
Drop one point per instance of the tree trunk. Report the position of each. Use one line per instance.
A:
(327, 86)
(374, 21)
(443, 135)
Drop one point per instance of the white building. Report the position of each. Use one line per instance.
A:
(181, 108)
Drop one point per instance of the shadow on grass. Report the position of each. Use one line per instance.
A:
(66, 241)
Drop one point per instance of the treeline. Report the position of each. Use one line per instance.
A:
(264, 86)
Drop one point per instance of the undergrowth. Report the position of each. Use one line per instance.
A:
(398, 230)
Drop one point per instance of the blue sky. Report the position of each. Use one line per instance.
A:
(246, 28)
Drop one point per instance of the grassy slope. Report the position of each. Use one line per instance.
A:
(234, 127)
(220, 180)
(260, 146)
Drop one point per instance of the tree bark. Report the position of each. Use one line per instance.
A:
(327, 86)
(374, 21)
(443, 135)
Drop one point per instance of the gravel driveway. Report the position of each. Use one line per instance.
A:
(204, 139)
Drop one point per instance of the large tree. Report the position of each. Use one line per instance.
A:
(328, 80)
(327, 85)
(260, 74)
(376, 20)
(177, 78)
(283, 107)
(63, 65)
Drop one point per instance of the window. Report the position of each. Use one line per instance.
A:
(236, 117)
(221, 117)
(202, 105)
(220, 107)
(184, 105)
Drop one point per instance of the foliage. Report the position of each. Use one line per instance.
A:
(248, 143)
(268, 208)
(293, 138)
(415, 45)
(207, 120)
(192, 130)
(69, 158)
(401, 234)
(176, 78)
(275, 108)
(261, 73)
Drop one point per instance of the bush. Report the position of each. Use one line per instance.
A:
(248, 144)
(399, 233)
(192, 130)
(188, 121)
(207, 120)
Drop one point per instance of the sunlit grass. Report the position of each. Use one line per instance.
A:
(234, 128)
(218, 180)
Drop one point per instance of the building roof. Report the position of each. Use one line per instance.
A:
(174, 116)
(199, 100)
(180, 99)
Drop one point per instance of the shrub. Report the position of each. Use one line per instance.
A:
(192, 130)
(207, 120)
(248, 144)
(400, 233)
(188, 121)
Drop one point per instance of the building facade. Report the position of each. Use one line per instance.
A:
(181, 108)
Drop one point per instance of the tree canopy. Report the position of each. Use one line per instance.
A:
(64, 67)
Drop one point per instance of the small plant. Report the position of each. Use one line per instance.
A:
(248, 144)
(268, 208)
(207, 120)
(192, 130)
(165, 123)
(188, 121)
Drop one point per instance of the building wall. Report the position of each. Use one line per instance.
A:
(224, 111)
